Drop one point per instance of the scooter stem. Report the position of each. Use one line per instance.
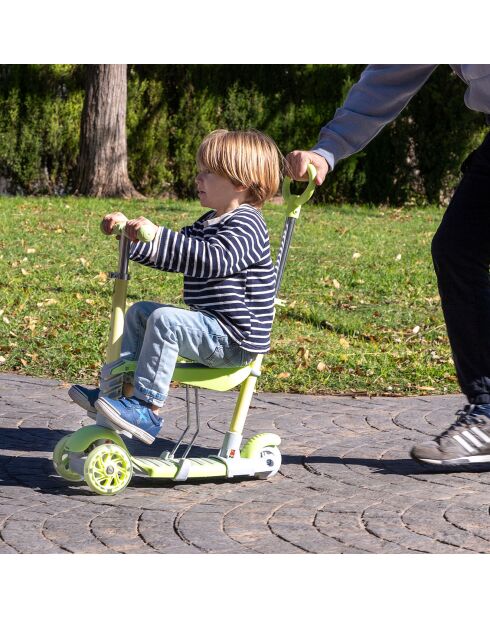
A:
(120, 293)
(119, 298)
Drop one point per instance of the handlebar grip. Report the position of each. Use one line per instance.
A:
(145, 234)
(294, 201)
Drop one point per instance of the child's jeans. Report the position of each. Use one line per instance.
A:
(155, 335)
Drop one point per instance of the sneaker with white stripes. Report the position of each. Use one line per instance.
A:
(466, 441)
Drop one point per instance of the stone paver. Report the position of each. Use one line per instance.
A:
(347, 484)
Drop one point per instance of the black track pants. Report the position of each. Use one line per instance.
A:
(461, 254)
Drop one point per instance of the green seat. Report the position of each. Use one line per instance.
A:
(195, 374)
(212, 378)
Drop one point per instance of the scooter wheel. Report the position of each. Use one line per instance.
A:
(273, 458)
(108, 469)
(61, 461)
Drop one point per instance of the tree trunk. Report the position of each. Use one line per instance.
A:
(102, 164)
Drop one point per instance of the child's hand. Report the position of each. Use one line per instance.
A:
(110, 220)
(134, 225)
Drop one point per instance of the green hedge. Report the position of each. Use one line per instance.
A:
(171, 108)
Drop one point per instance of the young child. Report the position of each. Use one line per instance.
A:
(229, 281)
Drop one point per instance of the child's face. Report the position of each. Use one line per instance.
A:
(218, 192)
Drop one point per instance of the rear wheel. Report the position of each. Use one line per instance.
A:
(61, 461)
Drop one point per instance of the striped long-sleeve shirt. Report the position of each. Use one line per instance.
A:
(228, 271)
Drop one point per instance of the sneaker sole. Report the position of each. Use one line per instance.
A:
(79, 398)
(454, 462)
(109, 412)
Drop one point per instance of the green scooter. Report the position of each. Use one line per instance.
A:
(98, 455)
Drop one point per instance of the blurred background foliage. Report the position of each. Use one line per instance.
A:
(416, 159)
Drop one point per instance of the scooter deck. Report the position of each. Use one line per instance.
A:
(197, 467)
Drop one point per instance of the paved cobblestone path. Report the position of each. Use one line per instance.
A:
(347, 484)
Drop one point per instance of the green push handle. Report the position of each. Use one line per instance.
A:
(145, 233)
(294, 202)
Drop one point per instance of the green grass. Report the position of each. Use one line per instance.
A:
(362, 311)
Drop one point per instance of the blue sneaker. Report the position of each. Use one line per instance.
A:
(131, 414)
(85, 398)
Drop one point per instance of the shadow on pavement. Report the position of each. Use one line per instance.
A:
(37, 472)
(30, 439)
(404, 467)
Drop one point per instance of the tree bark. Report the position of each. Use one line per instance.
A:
(102, 164)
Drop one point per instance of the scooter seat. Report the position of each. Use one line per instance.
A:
(212, 378)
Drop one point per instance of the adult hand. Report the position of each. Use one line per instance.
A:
(298, 161)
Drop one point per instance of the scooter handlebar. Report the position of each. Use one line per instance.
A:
(299, 200)
(145, 233)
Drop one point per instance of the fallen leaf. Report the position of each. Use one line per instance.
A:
(2, 360)
(284, 374)
(303, 353)
(415, 329)
(24, 362)
(90, 301)
(321, 367)
(356, 256)
(335, 284)
(398, 257)
(31, 323)
(6, 320)
(30, 250)
(344, 343)
(47, 302)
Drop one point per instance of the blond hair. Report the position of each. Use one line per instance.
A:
(247, 158)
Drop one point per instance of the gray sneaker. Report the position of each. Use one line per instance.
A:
(466, 441)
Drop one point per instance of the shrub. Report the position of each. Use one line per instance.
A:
(172, 107)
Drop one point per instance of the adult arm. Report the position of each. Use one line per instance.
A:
(382, 92)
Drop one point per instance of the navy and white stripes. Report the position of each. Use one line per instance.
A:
(228, 271)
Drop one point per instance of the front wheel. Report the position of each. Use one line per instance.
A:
(61, 461)
(271, 455)
(108, 469)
